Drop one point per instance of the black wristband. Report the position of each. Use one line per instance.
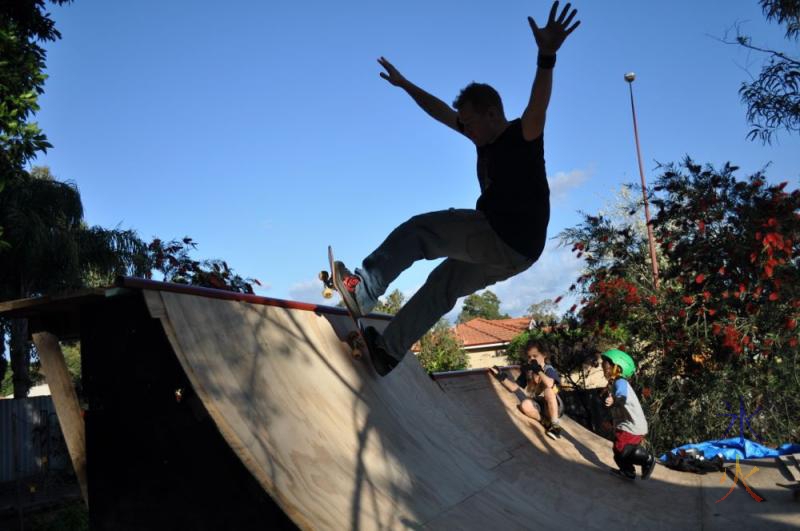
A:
(546, 62)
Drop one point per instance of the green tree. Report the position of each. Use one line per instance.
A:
(773, 97)
(440, 350)
(23, 26)
(52, 250)
(391, 304)
(544, 311)
(485, 305)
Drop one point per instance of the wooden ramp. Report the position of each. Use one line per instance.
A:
(339, 448)
(207, 408)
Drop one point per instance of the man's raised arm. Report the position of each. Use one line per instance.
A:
(549, 39)
(432, 105)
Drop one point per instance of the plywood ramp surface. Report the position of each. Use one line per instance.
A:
(340, 448)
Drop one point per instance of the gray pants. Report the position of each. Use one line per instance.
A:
(476, 258)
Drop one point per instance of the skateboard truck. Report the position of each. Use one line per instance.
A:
(327, 282)
(356, 344)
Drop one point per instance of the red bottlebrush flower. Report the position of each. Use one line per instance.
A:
(783, 185)
(557, 299)
(701, 225)
(725, 294)
(768, 271)
(772, 222)
(572, 308)
(773, 296)
(796, 303)
(706, 295)
(716, 328)
(753, 257)
(768, 342)
(712, 311)
(646, 392)
(721, 270)
(688, 299)
(758, 183)
(758, 291)
(652, 299)
(791, 324)
(579, 246)
(682, 313)
(746, 340)
(758, 235)
(793, 342)
(700, 278)
(742, 288)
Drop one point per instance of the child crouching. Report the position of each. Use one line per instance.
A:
(630, 425)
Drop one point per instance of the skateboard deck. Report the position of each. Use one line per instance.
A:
(355, 339)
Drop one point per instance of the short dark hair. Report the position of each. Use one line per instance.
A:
(481, 96)
(539, 344)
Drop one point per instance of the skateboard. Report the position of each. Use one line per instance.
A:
(355, 339)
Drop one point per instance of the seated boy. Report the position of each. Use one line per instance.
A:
(537, 387)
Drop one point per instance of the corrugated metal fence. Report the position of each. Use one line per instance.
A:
(31, 442)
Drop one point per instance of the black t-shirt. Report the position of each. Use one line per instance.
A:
(514, 192)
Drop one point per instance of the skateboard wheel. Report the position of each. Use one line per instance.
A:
(327, 293)
(324, 276)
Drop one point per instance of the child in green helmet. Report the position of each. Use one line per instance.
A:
(630, 425)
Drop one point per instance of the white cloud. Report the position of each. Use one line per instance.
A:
(310, 291)
(549, 278)
(562, 182)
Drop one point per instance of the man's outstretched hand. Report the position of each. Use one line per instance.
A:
(392, 75)
(552, 36)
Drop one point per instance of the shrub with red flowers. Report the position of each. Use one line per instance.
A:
(172, 259)
(723, 323)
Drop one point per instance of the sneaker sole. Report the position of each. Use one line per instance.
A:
(554, 436)
(619, 474)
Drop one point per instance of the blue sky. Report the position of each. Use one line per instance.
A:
(250, 126)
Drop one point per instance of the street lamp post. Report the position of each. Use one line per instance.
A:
(629, 77)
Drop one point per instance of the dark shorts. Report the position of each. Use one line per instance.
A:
(541, 406)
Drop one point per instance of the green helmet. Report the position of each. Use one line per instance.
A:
(625, 362)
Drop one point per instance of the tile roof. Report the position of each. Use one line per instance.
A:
(481, 331)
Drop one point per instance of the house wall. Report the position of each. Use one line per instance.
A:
(480, 358)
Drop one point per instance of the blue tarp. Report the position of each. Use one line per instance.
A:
(742, 448)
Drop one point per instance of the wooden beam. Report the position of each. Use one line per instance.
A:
(66, 401)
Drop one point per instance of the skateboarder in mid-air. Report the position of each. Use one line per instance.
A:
(502, 237)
